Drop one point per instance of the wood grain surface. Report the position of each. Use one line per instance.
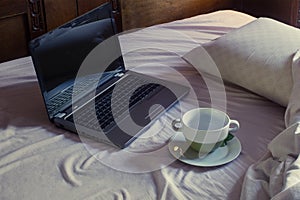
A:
(143, 13)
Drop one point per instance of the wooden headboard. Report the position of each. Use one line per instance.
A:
(143, 13)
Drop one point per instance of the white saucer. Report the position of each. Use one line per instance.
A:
(220, 156)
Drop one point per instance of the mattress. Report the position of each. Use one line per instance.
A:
(40, 161)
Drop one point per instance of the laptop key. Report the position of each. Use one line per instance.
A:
(105, 118)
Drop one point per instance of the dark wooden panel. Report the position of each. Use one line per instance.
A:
(59, 12)
(298, 15)
(7, 7)
(36, 18)
(137, 14)
(86, 5)
(295, 13)
(282, 10)
(13, 40)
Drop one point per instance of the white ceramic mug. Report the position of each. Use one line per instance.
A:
(205, 129)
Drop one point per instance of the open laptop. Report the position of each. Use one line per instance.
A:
(110, 104)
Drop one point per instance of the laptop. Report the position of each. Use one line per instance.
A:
(109, 103)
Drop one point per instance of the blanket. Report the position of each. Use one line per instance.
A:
(277, 174)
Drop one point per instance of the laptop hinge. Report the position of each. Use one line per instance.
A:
(120, 74)
(60, 115)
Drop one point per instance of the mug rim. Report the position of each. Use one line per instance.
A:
(214, 109)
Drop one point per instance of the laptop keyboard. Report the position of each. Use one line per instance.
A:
(116, 97)
(66, 96)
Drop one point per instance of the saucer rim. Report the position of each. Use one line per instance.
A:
(227, 159)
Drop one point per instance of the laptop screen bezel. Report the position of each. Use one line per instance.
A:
(88, 17)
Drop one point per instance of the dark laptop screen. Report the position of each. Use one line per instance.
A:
(58, 54)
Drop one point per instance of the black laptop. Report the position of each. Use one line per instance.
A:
(109, 103)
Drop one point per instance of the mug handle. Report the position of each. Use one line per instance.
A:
(235, 125)
(176, 124)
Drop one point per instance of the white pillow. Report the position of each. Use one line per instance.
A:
(257, 57)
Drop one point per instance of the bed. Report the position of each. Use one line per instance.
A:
(41, 161)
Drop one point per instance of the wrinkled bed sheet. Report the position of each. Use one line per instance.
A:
(277, 174)
(40, 161)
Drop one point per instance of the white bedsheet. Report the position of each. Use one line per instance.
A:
(277, 174)
(40, 161)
